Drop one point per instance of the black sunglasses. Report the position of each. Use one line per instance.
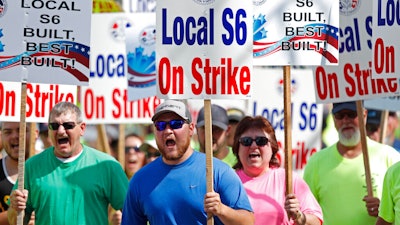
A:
(248, 141)
(174, 124)
(128, 148)
(66, 125)
(341, 115)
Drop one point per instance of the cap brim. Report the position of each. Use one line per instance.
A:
(155, 116)
(234, 118)
(343, 107)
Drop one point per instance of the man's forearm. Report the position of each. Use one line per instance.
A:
(240, 216)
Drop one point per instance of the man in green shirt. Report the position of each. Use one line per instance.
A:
(69, 183)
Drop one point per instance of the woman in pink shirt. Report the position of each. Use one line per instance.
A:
(255, 146)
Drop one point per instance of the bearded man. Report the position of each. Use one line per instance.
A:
(336, 174)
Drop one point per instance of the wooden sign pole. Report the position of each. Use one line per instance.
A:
(288, 128)
(209, 152)
(361, 123)
(21, 152)
(121, 145)
(103, 140)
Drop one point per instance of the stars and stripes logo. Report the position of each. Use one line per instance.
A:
(71, 57)
(323, 41)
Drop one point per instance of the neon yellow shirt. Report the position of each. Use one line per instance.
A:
(389, 209)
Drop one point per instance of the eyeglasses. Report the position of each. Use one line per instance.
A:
(128, 148)
(341, 115)
(248, 141)
(174, 124)
(66, 125)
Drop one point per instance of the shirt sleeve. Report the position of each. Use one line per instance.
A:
(386, 208)
(131, 212)
(119, 186)
(230, 187)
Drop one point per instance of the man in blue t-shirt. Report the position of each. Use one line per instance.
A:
(172, 189)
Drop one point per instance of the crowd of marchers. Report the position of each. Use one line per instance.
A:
(71, 181)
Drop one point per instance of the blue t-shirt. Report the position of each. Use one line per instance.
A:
(174, 194)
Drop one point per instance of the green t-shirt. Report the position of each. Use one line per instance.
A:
(78, 192)
(339, 184)
(389, 208)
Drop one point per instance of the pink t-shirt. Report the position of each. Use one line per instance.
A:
(267, 197)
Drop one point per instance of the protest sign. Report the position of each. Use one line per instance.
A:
(204, 51)
(301, 32)
(141, 55)
(352, 79)
(306, 114)
(385, 45)
(40, 98)
(45, 41)
(105, 100)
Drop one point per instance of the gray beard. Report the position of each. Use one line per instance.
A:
(353, 140)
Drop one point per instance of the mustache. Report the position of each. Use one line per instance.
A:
(346, 126)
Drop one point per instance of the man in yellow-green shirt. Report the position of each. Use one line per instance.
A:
(336, 174)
